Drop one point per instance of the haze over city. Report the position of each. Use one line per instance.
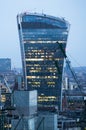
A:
(72, 10)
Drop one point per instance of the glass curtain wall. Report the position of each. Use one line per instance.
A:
(42, 57)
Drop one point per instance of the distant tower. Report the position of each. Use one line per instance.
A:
(66, 83)
(42, 58)
(67, 69)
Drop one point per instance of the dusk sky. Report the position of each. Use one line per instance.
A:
(72, 10)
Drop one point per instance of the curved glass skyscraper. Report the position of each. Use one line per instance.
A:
(41, 39)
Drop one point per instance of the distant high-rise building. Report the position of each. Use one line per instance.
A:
(42, 40)
(68, 69)
(5, 64)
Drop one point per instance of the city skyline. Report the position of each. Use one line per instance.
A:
(73, 11)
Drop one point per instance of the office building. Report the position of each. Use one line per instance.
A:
(43, 40)
(5, 64)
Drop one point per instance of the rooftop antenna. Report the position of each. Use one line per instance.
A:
(42, 11)
(35, 10)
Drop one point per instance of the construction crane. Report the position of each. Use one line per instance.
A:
(67, 61)
(4, 81)
(82, 122)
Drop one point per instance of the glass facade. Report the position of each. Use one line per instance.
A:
(42, 58)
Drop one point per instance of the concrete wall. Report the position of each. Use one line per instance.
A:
(25, 102)
(47, 121)
(26, 123)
